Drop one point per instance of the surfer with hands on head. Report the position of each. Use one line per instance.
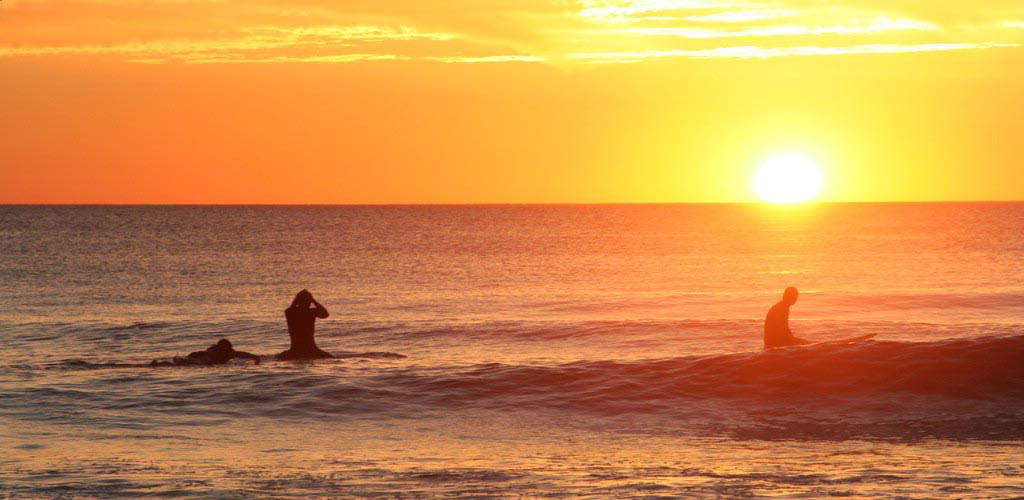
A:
(301, 320)
(776, 323)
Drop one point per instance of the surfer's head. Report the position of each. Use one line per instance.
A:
(790, 295)
(222, 345)
(303, 299)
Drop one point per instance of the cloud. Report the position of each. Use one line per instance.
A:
(744, 16)
(623, 11)
(487, 59)
(750, 52)
(227, 59)
(945, 13)
(475, 31)
(259, 42)
(875, 25)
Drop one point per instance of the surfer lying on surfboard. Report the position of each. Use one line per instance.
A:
(217, 354)
(776, 325)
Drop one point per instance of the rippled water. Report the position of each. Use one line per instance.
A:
(497, 351)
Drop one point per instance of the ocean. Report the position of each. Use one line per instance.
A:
(514, 351)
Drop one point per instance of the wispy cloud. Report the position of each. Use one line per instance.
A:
(876, 25)
(615, 11)
(226, 59)
(487, 59)
(744, 16)
(253, 44)
(494, 31)
(763, 52)
(332, 33)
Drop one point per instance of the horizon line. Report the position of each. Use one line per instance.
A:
(468, 204)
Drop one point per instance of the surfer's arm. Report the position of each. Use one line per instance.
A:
(794, 340)
(321, 311)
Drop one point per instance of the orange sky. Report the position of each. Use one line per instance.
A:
(466, 101)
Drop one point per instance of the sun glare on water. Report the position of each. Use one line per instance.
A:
(788, 178)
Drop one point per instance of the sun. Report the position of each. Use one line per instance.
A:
(788, 178)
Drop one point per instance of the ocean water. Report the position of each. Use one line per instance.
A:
(514, 351)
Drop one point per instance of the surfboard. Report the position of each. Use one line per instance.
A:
(851, 340)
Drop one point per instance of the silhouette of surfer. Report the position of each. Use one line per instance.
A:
(301, 322)
(776, 323)
(217, 354)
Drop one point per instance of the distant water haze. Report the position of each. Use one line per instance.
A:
(957, 262)
(512, 350)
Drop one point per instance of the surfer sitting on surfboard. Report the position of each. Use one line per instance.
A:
(776, 323)
(301, 321)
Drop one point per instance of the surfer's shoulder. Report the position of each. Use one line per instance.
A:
(777, 309)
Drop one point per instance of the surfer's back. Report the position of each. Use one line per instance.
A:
(301, 325)
(776, 326)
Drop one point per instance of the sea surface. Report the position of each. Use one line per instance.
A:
(514, 351)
